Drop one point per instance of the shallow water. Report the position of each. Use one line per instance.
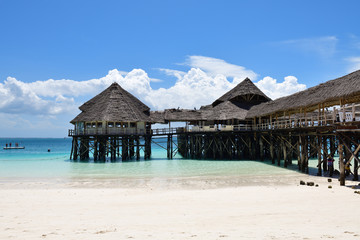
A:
(35, 162)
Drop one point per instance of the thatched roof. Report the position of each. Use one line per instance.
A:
(329, 92)
(232, 105)
(114, 104)
(157, 117)
(246, 91)
(225, 111)
(175, 115)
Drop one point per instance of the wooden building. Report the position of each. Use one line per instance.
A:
(112, 124)
(244, 123)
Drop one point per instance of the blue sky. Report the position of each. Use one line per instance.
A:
(164, 47)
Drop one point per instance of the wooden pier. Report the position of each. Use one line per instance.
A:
(244, 123)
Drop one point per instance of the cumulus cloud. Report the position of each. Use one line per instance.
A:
(275, 89)
(215, 66)
(193, 88)
(18, 97)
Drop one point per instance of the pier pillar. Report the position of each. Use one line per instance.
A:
(319, 144)
(261, 144)
(75, 143)
(325, 152)
(124, 148)
(356, 164)
(298, 152)
(283, 143)
(341, 162)
(272, 149)
(95, 149)
(137, 148)
(131, 147)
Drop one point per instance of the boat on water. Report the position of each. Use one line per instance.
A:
(9, 148)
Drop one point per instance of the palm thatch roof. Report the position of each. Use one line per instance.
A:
(113, 104)
(225, 111)
(329, 93)
(232, 105)
(246, 91)
(175, 115)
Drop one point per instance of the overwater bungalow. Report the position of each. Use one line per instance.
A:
(111, 120)
(225, 113)
(242, 124)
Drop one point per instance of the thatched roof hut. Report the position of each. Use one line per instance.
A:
(232, 105)
(334, 92)
(113, 104)
(235, 103)
(244, 92)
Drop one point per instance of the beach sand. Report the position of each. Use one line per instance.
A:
(193, 208)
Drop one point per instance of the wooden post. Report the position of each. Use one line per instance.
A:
(168, 145)
(272, 149)
(95, 149)
(125, 148)
(283, 143)
(261, 147)
(278, 153)
(131, 147)
(356, 166)
(75, 141)
(341, 162)
(171, 147)
(353, 112)
(319, 143)
(298, 152)
(306, 155)
(303, 153)
(325, 153)
(137, 148)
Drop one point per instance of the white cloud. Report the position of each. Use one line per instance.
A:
(175, 73)
(275, 89)
(194, 88)
(323, 46)
(354, 64)
(215, 66)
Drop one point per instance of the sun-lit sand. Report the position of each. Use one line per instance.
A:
(282, 209)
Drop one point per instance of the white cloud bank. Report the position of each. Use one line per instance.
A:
(201, 85)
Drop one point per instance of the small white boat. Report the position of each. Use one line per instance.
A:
(9, 148)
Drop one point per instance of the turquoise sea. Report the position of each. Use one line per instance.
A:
(36, 162)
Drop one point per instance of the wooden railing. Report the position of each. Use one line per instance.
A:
(224, 128)
(109, 131)
(126, 131)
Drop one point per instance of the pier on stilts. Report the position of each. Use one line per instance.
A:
(320, 122)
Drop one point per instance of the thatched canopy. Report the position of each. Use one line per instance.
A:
(113, 104)
(244, 92)
(346, 88)
(232, 105)
(225, 111)
(175, 115)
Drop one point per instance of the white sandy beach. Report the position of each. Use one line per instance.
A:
(277, 211)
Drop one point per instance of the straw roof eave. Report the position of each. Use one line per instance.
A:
(346, 89)
(114, 104)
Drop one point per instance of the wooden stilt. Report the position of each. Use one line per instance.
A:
(341, 162)
(319, 143)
